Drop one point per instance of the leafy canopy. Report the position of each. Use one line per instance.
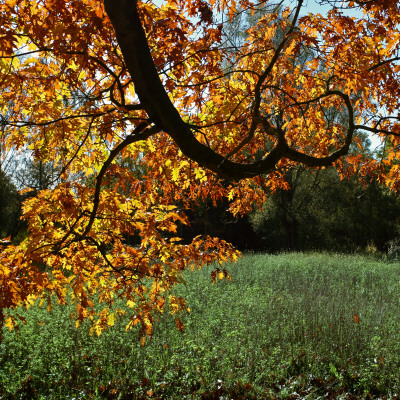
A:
(144, 106)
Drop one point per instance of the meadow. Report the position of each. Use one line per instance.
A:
(288, 326)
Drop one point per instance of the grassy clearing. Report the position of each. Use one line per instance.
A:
(288, 326)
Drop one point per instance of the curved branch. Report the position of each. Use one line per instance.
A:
(312, 161)
(141, 132)
(376, 130)
(159, 107)
(128, 107)
(152, 95)
(384, 62)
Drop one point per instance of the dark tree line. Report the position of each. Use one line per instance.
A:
(321, 212)
(318, 212)
(10, 207)
(23, 173)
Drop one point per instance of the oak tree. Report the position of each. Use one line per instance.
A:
(95, 87)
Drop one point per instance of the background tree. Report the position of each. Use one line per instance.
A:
(9, 207)
(322, 212)
(86, 83)
(35, 175)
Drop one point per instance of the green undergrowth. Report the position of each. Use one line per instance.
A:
(288, 326)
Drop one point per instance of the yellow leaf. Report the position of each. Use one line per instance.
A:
(129, 325)
(98, 329)
(231, 194)
(131, 90)
(73, 65)
(15, 62)
(89, 171)
(111, 319)
(4, 271)
(82, 75)
(22, 41)
(175, 174)
(200, 174)
(30, 301)
(10, 324)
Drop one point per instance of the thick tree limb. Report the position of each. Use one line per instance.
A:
(161, 111)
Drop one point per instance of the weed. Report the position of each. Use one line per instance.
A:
(307, 324)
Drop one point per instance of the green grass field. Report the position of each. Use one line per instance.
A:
(289, 326)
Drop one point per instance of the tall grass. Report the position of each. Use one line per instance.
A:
(287, 325)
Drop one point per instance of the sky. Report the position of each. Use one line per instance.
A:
(314, 7)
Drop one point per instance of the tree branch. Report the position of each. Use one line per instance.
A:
(161, 111)
(141, 132)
